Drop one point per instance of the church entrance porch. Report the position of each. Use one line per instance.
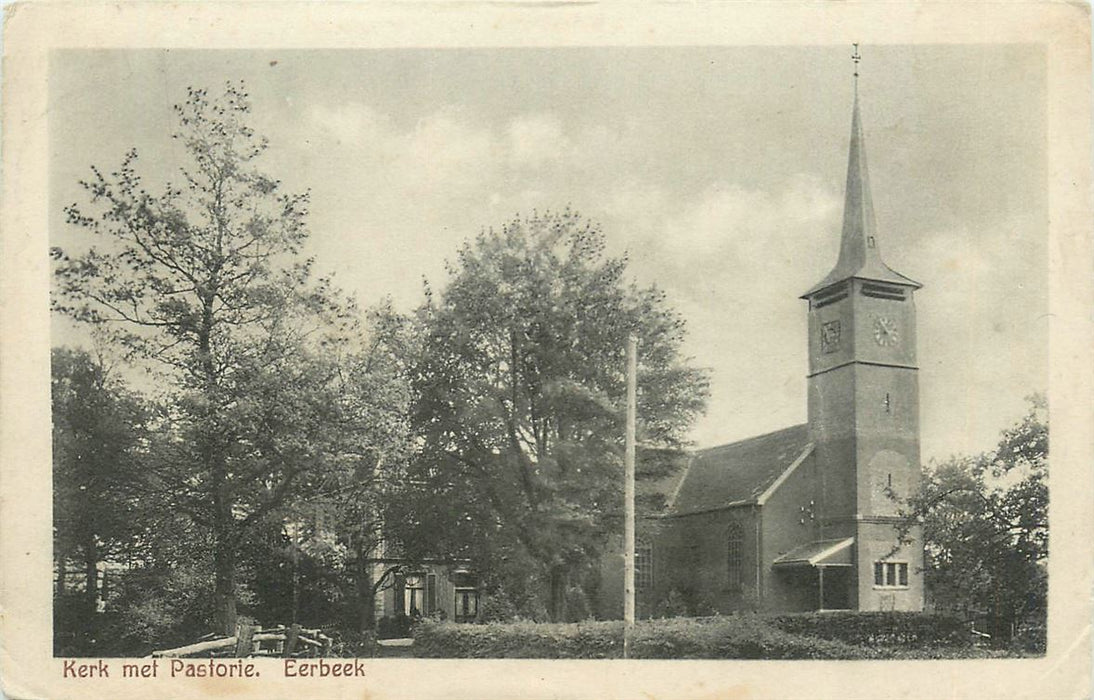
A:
(834, 587)
(824, 567)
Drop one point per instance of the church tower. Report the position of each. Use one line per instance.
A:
(864, 401)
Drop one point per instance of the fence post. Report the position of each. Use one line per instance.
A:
(244, 636)
(290, 639)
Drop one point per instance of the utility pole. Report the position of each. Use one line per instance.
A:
(628, 496)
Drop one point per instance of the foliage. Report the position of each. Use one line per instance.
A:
(891, 629)
(99, 438)
(748, 636)
(496, 606)
(985, 529)
(672, 605)
(520, 391)
(268, 399)
(393, 627)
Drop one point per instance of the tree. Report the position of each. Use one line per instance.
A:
(205, 281)
(985, 529)
(341, 522)
(520, 392)
(99, 435)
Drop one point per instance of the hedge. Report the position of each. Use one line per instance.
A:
(736, 637)
(905, 630)
(746, 636)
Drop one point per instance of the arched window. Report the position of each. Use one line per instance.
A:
(643, 565)
(734, 563)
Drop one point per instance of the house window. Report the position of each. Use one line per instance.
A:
(890, 574)
(467, 604)
(734, 564)
(466, 607)
(414, 595)
(643, 565)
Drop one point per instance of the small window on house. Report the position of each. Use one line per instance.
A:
(890, 574)
(734, 563)
(643, 565)
(414, 595)
(466, 604)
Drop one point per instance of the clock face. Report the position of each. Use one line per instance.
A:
(885, 332)
(830, 336)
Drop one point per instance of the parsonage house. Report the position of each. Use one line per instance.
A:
(805, 518)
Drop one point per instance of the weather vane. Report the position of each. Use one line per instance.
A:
(856, 57)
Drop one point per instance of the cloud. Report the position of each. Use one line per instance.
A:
(350, 124)
(447, 148)
(983, 317)
(734, 230)
(535, 139)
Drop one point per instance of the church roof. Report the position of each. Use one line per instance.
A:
(859, 254)
(738, 473)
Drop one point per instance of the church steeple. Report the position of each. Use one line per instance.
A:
(859, 255)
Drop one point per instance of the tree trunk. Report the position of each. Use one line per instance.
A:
(296, 577)
(558, 582)
(224, 571)
(59, 564)
(91, 576)
(366, 595)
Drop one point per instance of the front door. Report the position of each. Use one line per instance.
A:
(835, 587)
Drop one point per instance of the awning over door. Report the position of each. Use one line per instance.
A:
(818, 553)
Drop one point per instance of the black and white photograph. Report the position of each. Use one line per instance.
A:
(361, 356)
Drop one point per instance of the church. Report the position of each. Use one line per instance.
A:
(805, 518)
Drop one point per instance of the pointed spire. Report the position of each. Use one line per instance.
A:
(859, 255)
(858, 245)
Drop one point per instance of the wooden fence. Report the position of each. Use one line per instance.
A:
(250, 640)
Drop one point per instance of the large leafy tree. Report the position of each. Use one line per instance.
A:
(338, 525)
(520, 388)
(205, 282)
(99, 439)
(985, 529)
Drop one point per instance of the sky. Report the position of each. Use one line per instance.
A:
(719, 171)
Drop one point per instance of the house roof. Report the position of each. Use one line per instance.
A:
(738, 473)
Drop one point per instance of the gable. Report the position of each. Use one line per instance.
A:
(738, 473)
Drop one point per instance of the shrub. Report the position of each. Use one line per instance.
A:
(878, 629)
(1031, 638)
(672, 605)
(497, 607)
(354, 644)
(393, 627)
(738, 637)
(577, 640)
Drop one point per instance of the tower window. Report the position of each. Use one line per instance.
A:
(882, 291)
(829, 296)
